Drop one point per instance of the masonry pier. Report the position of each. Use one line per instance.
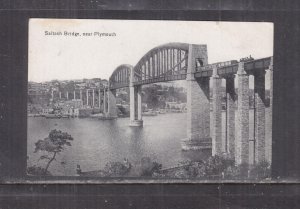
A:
(230, 116)
(242, 139)
(112, 107)
(198, 106)
(218, 147)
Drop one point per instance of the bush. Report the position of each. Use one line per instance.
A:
(213, 166)
(261, 170)
(148, 168)
(37, 171)
(117, 169)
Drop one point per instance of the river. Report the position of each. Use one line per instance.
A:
(97, 142)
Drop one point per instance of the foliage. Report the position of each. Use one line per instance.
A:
(52, 145)
(216, 167)
(148, 168)
(156, 97)
(260, 171)
(38, 171)
(114, 169)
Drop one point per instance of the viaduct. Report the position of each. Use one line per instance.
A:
(181, 61)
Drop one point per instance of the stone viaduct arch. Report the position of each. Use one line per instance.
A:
(181, 61)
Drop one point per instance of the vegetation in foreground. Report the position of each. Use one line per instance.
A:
(50, 147)
(216, 168)
(212, 168)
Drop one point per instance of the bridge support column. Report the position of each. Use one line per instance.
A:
(139, 102)
(198, 115)
(230, 116)
(74, 94)
(198, 106)
(60, 95)
(80, 95)
(135, 102)
(136, 106)
(242, 140)
(67, 95)
(259, 117)
(112, 106)
(218, 146)
(270, 118)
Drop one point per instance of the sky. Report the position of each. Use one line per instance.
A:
(69, 57)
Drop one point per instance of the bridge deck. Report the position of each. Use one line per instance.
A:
(223, 68)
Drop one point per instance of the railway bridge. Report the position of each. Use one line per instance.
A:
(181, 61)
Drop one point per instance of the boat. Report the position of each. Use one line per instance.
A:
(107, 117)
(52, 116)
(65, 116)
(149, 113)
(162, 111)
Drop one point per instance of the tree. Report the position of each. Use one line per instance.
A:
(53, 145)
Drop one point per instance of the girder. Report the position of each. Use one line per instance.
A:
(162, 63)
(231, 67)
(120, 77)
(168, 62)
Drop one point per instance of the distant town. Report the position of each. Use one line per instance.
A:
(81, 98)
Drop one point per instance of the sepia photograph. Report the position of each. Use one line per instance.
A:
(150, 99)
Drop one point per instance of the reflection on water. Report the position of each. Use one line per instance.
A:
(97, 142)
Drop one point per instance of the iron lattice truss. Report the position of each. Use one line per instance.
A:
(164, 63)
(120, 77)
(169, 62)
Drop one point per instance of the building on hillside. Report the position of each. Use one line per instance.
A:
(176, 105)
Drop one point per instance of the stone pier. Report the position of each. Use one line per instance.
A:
(217, 144)
(269, 140)
(230, 116)
(198, 106)
(135, 103)
(259, 117)
(242, 139)
(112, 105)
(136, 106)
(80, 95)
